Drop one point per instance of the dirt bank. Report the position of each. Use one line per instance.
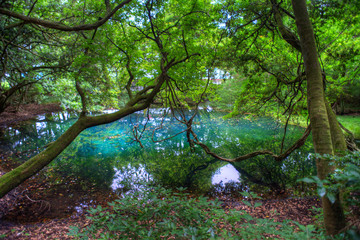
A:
(12, 115)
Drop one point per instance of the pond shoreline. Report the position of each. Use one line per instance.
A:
(279, 210)
(13, 115)
(49, 189)
(38, 192)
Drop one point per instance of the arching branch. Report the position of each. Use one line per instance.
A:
(289, 36)
(300, 142)
(131, 75)
(59, 26)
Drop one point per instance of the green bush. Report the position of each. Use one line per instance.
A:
(154, 214)
(163, 214)
(345, 180)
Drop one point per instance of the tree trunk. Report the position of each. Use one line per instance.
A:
(337, 135)
(140, 101)
(15, 177)
(322, 135)
(26, 170)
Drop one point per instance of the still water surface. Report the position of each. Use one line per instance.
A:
(108, 157)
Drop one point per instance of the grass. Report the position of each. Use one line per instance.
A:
(352, 123)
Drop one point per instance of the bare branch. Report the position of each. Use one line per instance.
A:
(142, 32)
(178, 21)
(108, 6)
(82, 96)
(131, 76)
(280, 157)
(32, 7)
(183, 60)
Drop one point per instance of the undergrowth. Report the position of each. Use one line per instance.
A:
(163, 214)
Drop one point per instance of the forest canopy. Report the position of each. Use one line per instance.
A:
(100, 45)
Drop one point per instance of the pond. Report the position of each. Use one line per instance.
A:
(108, 157)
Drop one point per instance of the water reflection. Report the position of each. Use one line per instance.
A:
(109, 157)
(225, 175)
(27, 139)
(130, 179)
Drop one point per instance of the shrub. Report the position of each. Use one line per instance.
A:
(163, 214)
(345, 180)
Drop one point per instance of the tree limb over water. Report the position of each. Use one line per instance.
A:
(141, 100)
(278, 157)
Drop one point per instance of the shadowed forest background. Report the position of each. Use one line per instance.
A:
(191, 119)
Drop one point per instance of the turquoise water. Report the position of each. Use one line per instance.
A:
(108, 156)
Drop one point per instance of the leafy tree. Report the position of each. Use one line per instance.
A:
(162, 49)
(132, 54)
(26, 62)
(327, 135)
(325, 130)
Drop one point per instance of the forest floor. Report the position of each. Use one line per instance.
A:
(17, 226)
(42, 209)
(26, 204)
(58, 228)
(12, 115)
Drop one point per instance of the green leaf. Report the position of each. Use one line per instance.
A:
(247, 203)
(257, 204)
(307, 180)
(321, 191)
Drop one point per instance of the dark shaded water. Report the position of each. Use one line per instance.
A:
(108, 157)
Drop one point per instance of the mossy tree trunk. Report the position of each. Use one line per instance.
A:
(15, 177)
(139, 102)
(325, 136)
(139, 99)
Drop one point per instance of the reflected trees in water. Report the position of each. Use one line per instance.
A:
(107, 156)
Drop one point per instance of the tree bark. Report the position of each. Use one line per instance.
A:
(15, 177)
(337, 135)
(322, 135)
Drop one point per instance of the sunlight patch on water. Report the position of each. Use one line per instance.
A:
(225, 175)
(41, 117)
(108, 111)
(40, 126)
(130, 178)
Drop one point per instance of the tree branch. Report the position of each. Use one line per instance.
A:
(62, 27)
(131, 76)
(280, 157)
(285, 32)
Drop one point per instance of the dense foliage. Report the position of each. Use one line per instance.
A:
(163, 214)
(345, 180)
(131, 55)
(238, 38)
(264, 62)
